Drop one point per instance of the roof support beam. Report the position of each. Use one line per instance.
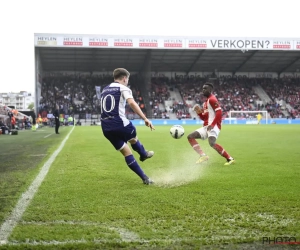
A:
(290, 64)
(244, 62)
(195, 61)
(147, 58)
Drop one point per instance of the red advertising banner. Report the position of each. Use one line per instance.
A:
(123, 42)
(98, 42)
(72, 41)
(282, 45)
(197, 44)
(173, 43)
(148, 43)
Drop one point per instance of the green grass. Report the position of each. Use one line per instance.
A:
(90, 199)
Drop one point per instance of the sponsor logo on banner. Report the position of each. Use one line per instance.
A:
(73, 41)
(46, 40)
(173, 43)
(148, 43)
(98, 42)
(281, 45)
(197, 44)
(123, 42)
(240, 44)
(297, 44)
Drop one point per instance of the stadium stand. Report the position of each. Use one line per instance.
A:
(171, 97)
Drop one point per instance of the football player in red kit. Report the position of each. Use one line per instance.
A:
(211, 114)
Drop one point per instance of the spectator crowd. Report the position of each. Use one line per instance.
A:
(75, 94)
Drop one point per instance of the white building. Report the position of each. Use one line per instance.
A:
(19, 101)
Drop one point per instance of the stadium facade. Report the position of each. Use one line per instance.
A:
(172, 57)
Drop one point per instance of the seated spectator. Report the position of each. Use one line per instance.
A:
(5, 129)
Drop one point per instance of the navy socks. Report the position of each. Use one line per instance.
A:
(138, 147)
(134, 166)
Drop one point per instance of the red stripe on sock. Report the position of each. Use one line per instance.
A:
(221, 151)
(195, 146)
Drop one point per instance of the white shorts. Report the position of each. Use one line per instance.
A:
(214, 132)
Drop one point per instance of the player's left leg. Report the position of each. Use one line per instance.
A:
(212, 138)
(139, 148)
(136, 144)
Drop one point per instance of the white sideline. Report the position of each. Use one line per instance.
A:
(125, 234)
(97, 241)
(12, 220)
(48, 135)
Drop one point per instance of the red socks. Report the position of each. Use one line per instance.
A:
(221, 151)
(217, 147)
(196, 146)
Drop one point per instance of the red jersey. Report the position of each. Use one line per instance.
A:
(212, 114)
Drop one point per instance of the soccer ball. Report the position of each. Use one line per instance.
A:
(177, 131)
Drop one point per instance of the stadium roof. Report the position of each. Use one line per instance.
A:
(168, 60)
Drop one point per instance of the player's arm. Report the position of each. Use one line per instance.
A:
(135, 107)
(199, 111)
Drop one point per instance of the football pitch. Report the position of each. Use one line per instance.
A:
(74, 191)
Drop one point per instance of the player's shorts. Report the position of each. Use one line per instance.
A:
(214, 132)
(120, 136)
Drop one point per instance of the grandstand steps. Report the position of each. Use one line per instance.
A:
(252, 106)
(174, 97)
(286, 114)
(168, 104)
(288, 107)
(162, 107)
(172, 116)
(262, 94)
(190, 103)
(284, 108)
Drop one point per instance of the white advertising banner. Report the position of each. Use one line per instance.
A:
(297, 45)
(200, 43)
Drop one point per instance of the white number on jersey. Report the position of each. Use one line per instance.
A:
(103, 103)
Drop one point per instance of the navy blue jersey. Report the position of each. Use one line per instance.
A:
(113, 101)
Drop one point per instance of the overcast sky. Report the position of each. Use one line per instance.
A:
(20, 19)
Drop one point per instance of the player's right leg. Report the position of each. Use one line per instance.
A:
(116, 138)
(198, 134)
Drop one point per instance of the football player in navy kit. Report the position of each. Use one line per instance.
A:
(117, 128)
